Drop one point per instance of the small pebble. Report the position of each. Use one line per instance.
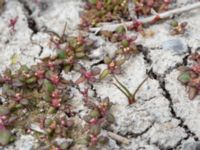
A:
(176, 46)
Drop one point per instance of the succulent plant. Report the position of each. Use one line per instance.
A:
(38, 94)
(12, 23)
(88, 76)
(104, 11)
(98, 118)
(144, 7)
(190, 77)
(177, 28)
(113, 66)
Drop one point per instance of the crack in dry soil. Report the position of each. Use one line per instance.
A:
(135, 135)
(161, 80)
(167, 95)
(30, 20)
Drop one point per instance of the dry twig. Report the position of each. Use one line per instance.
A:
(118, 138)
(147, 20)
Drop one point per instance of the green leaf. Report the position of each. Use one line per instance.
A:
(80, 49)
(31, 80)
(107, 60)
(104, 74)
(184, 77)
(72, 42)
(62, 55)
(110, 118)
(49, 86)
(14, 58)
(4, 110)
(80, 55)
(125, 43)
(5, 137)
(95, 114)
(24, 68)
(174, 23)
(120, 29)
(103, 140)
(93, 1)
(8, 72)
(83, 141)
(95, 130)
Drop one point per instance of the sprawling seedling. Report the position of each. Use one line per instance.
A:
(190, 76)
(145, 7)
(39, 96)
(104, 11)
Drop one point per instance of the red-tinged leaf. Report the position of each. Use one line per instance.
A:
(80, 80)
(183, 68)
(192, 92)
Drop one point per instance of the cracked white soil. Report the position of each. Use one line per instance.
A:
(163, 118)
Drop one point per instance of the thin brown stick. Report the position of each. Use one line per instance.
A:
(147, 20)
(118, 138)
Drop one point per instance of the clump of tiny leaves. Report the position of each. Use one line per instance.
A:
(40, 95)
(115, 36)
(75, 48)
(114, 66)
(98, 118)
(177, 28)
(34, 93)
(88, 75)
(145, 7)
(126, 49)
(104, 11)
(190, 76)
(126, 45)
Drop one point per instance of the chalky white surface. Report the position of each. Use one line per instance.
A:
(149, 123)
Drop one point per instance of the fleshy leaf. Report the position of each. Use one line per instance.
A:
(110, 118)
(120, 29)
(125, 43)
(62, 55)
(4, 110)
(104, 74)
(192, 92)
(107, 60)
(14, 58)
(49, 86)
(5, 136)
(184, 77)
(80, 80)
(93, 1)
(31, 80)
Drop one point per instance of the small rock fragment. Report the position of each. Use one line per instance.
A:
(64, 143)
(176, 46)
(26, 142)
